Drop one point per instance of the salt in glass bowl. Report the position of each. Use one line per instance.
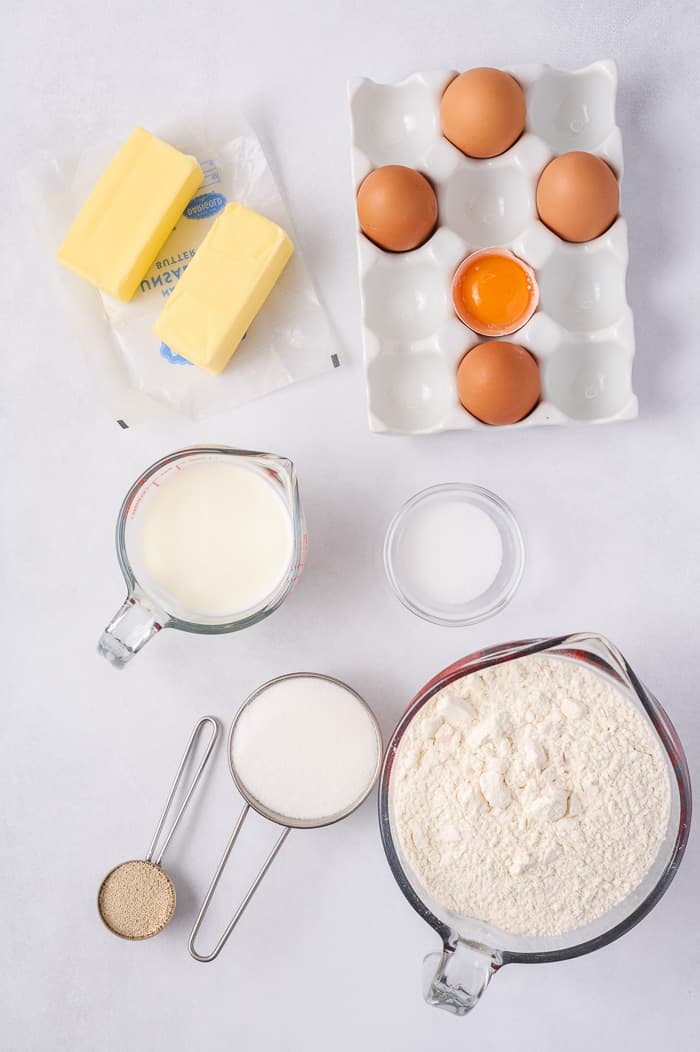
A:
(503, 586)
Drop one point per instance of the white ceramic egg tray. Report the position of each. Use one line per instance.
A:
(582, 333)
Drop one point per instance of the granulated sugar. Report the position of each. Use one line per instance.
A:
(306, 748)
(136, 900)
(532, 795)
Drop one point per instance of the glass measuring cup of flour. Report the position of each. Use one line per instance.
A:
(321, 780)
(152, 546)
(473, 951)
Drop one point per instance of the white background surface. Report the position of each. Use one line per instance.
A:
(329, 954)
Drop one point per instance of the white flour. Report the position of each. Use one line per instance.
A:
(533, 796)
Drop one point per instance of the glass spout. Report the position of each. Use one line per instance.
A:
(455, 979)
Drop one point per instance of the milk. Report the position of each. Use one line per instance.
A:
(217, 539)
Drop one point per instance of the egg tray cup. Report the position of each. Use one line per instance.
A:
(582, 333)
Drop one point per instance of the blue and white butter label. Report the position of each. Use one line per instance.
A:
(204, 206)
(170, 356)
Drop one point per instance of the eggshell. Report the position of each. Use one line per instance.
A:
(482, 112)
(578, 196)
(397, 208)
(498, 382)
(510, 319)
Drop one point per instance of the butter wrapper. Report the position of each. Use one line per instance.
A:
(138, 377)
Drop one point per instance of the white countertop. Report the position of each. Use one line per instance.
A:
(329, 954)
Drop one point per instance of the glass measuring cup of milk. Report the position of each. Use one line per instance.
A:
(210, 539)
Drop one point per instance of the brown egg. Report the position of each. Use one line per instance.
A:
(498, 382)
(397, 208)
(578, 196)
(482, 112)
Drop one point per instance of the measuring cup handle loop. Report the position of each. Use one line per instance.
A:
(156, 852)
(206, 957)
(455, 979)
(129, 630)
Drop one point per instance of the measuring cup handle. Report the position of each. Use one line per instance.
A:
(455, 979)
(155, 854)
(206, 957)
(130, 629)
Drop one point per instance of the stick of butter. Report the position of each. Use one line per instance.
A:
(130, 214)
(232, 274)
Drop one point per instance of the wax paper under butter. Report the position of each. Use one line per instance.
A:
(137, 376)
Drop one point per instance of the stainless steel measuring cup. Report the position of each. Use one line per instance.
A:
(137, 898)
(143, 613)
(285, 821)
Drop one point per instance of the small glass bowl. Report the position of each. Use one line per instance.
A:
(503, 587)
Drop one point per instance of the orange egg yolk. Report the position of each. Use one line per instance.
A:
(494, 292)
